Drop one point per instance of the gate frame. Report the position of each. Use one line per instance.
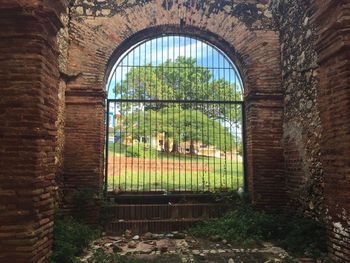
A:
(242, 103)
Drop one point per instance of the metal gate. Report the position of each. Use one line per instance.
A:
(174, 119)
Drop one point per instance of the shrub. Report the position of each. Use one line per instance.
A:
(244, 225)
(70, 239)
(141, 150)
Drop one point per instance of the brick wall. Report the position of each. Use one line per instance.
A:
(243, 29)
(333, 46)
(28, 132)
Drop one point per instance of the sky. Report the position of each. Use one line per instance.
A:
(158, 50)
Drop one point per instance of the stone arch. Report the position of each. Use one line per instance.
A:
(250, 40)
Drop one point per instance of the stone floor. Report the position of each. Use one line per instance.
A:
(182, 247)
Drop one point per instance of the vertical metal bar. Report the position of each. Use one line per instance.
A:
(208, 128)
(157, 141)
(150, 118)
(231, 145)
(121, 105)
(114, 132)
(236, 128)
(144, 119)
(220, 145)
(213, 61)
(179, 83)
(173, 107)
(167, 120)
(190, 111)
(132, 119)
(203, 110)
(161, 116)
(245, 178)
(199, 142)
(126, 125)
(107, 137)
(225, 124)
(114, 123)
(185, 113)
(138, 120)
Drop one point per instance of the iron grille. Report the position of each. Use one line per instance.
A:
(175, 119)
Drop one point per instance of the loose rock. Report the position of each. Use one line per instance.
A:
(132, 244)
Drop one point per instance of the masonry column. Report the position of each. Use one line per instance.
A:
(264, 126)
(333, 21)
(28, 114)
(84, 145)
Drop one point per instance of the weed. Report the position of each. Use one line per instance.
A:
(100, 256)
(245, 225)
(70, 239)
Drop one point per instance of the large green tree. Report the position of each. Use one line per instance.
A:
(185, 81)
(182, 79)
(180, 125)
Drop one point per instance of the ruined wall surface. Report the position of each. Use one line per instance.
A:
(315, 62)
(28, 132)
(63, 45)
(302, 124)
(244, 29)
(333, 46)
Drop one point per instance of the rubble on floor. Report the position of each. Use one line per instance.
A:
(150, 246)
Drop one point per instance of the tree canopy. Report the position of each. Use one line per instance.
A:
(183, 81)
(180, 125)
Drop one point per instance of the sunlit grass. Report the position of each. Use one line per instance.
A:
(223, 174)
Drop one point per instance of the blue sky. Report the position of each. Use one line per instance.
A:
(157, 51)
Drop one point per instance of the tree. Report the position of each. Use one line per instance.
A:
(182, 81)
(180, 125)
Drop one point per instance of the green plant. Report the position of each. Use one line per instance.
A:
(242, 225)
(245, 225)
(100, 256)
(141, 150)
(106, 213)
(70, 239)
(84, 196)
(301, 235)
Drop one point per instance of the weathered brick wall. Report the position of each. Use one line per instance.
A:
(301, 124)
(333, 46)
(315, 62)
(28, 132)
(245, 28)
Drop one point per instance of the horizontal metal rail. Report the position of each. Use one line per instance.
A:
(175, 101)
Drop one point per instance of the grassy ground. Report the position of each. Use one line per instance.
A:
(222, 174)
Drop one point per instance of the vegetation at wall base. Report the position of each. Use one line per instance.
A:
(70, 239)
(244, 225)
(100, 256)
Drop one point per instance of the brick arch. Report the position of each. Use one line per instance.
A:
(252, 44)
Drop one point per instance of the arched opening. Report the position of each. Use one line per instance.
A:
(175, 118)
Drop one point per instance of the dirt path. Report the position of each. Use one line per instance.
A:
(117, 164)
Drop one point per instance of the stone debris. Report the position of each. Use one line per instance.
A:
(189, 248)
(132, 244)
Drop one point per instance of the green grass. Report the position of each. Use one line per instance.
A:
(222, 175)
